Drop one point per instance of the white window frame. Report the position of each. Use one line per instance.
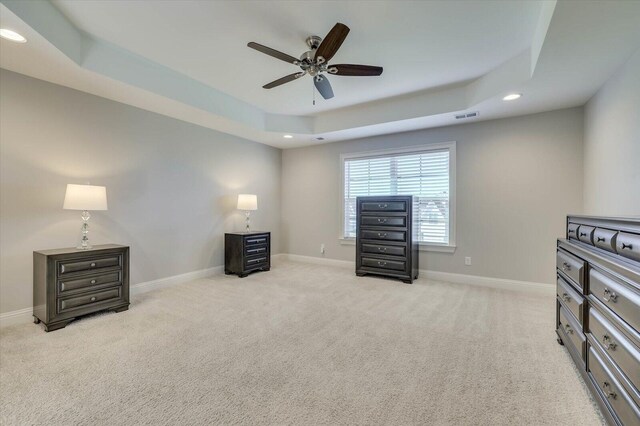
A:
(451, 147)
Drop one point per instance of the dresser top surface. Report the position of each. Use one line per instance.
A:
(70, 250)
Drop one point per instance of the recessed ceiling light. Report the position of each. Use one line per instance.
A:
(12, 35)
(512, 97)
(287, 136)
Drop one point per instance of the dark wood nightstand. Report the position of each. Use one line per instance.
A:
(246, 252)
(68, 283)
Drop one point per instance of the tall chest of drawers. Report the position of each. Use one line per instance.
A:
(598, 310)
(246, 252)
(386, 237)
(69, 283)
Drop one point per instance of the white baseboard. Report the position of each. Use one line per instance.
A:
(500, 283)
(175, 280)
(317, 260)
(21, 316)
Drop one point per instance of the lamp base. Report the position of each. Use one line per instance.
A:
(87, 247)
(84, 242)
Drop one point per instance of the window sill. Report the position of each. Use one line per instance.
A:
(422, 246)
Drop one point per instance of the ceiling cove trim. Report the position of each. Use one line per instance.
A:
(122, 65)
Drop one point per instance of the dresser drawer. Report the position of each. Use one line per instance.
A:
(384, 235)
(65, 286)
(384, 206)
(571, 266)
(623, 405)
(628, 245)
(616, 295)
(572, 231)
(570, 298)
(384, 249)
(89, 264)
(88, 299)
(383, 221)
(585, 234)
(256, 240)
(617, 345)
(605, 239)
(572, 330)
(255, 262)
(253, 250)
(396, 265)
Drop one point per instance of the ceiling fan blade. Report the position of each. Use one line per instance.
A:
(283, 80)
(355, 70)
(272, 52)
(323, 86)
(332, 41)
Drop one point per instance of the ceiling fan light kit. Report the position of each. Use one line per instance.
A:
(315, 62)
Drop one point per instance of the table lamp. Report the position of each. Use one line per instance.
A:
(247, 202)
(85, 198)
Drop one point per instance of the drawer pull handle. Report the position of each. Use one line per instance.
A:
(601, 239)
(568, 328)
(583, 234)
(608, 343)
(627, 246)
(383, 235)
(93, 299)
(571, 231)
(382, 263)
(93, 281)
(93, 264)
(382, 249)
(566, 297)
(382, 206)
(566, 266)
(612, 295)
(382, 220)
(609, 393)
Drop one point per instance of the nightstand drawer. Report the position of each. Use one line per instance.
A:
(254, 250)
(84, 300)
(384, 206)
(89, 264)
(256, 240)
(255, 262)
(66, 286)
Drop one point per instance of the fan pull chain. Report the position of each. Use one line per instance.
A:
(313, 93)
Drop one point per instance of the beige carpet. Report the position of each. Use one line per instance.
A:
(302, 344)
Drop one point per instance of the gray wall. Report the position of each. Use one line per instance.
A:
(612, 145)
(171, 185)
(517, 179)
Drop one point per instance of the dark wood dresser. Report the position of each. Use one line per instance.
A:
(246, 252)
(598, 310)
(69, 283)
(386, 237)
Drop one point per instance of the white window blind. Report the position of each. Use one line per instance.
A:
(424, 174)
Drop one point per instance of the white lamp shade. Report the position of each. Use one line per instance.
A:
(85, 197)
(247, 202)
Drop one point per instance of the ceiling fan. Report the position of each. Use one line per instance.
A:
(315, 62)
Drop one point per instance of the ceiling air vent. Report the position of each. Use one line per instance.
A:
(467, 115)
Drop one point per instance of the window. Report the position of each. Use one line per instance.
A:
(427, 173)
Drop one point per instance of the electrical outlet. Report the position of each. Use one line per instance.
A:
(467, 261)
(322, 248)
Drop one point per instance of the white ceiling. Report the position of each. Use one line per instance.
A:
(189, 60)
